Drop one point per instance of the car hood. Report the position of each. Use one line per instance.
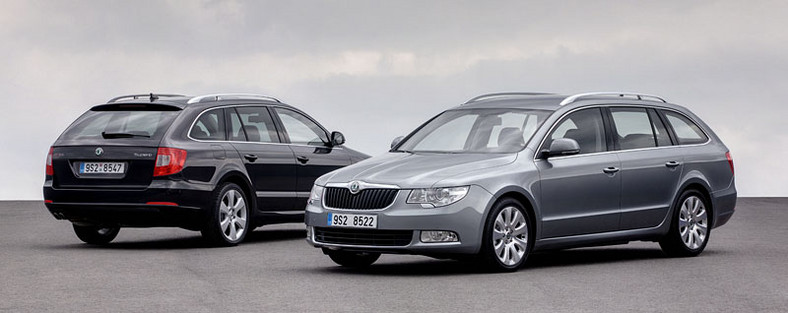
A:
(414, 170)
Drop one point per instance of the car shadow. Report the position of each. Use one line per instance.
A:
(196, 241)
(538, 260)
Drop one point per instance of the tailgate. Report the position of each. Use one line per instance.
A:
(100, 166)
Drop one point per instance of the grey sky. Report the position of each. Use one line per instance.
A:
(375, 70)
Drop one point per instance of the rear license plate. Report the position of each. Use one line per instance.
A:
(352, 220)
(102, 167)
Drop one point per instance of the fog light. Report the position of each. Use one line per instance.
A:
(438, 236)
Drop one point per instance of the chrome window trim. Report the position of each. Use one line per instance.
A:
(194, 122)
(560, 119)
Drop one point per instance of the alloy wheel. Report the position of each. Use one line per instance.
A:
(232, 215)
(693, 222)
(510, 236)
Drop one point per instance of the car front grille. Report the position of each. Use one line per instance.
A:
(366, 199)
(363, 237)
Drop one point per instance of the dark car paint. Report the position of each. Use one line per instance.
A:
(272, 178)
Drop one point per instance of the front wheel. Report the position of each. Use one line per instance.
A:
(96, 235)
(352, 259)
(228, 220)
(689, 229)
(507, 239)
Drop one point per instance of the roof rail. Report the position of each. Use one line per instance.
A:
(224, 96)
(151, 96)
(507, 94)
(621, 94)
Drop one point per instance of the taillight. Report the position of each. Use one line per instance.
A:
(50, 171)
(730, 161)
(169, 161)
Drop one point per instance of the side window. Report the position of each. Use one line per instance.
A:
(686, 131)
(633, 128)
(236, 127)
(584, 126)
(209, 126)
(253, 122)
(300, 129)
(663, 139)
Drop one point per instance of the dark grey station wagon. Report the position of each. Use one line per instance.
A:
(221, 164)
(507, 174)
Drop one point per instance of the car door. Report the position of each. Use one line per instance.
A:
(650, 166)
(580, 193)
(309, 142)
(270, 164)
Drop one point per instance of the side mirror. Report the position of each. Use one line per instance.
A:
(561, 146)
(396, 141)
(337, 139)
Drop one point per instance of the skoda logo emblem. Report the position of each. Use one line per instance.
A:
(99, 151)
(354, 187)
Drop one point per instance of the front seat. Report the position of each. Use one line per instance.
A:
(585, 139)
(252, 133)
(510, 139)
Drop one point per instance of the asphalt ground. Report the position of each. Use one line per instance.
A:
(45, 268)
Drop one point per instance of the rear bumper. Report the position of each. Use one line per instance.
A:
(724, 204)
(152, 207)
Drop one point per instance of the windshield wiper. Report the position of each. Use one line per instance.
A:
(122, 135)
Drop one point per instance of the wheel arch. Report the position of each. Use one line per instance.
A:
(521, 195)
(240, 179)
(699, 184)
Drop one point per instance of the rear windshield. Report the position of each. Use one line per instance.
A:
(120, 124)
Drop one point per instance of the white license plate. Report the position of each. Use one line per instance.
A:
(353, 220)
(102, 167)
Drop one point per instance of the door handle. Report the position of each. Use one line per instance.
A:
(302, 159)
(250, 157)
(672, 163)
(611, 170)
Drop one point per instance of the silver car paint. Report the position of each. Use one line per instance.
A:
(632, 204)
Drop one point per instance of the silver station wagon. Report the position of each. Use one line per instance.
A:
(506, 174)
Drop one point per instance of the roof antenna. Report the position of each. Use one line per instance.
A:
(153, 97)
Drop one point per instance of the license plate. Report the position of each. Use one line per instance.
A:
(102, 168)
(352, 220)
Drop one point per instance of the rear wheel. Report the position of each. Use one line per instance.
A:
(96, 235)
(689, 229)
(228, 220)
(352, 259)
(507, 239)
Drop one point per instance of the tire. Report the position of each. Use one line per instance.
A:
(690, 226)
(228, 219)
(96, 235)
(352, 259)
(508, 237)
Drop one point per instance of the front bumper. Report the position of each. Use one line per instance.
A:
(466, 218)
(165, 203)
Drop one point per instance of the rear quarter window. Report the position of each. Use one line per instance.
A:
(209, 126)
(687, 132)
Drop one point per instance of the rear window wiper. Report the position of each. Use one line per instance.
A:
(122, 135)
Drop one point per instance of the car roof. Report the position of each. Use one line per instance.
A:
(180, 102)
(538, 102)
(554, 102)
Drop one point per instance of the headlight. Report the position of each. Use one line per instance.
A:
(316, 195)
(437, 196)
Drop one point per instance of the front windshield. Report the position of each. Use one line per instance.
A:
(476, 131)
